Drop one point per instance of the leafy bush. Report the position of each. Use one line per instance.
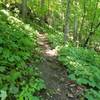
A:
(19, 78)
(83, 67)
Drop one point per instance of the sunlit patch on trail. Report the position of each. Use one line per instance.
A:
(51, 52)
(43, 42)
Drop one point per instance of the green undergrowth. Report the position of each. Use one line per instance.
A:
(55, 37)
(83, 66)
(19, 75)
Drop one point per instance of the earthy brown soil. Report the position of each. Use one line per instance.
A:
(55, 75)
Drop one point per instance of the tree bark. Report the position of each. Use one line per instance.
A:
(90, 34)
(24, 9)
(75, 35)
(67, 21)
(82, 23)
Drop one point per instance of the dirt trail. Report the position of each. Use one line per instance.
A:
(54, 74)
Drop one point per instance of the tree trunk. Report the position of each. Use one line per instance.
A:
(67, 20)
(90, 34)
(24, 9)
(82, 22)
(75, 35)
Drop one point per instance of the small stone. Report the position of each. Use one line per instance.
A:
(72, 85)
(58, 90)
(70, 95)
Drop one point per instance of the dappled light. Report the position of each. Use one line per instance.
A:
(49, 50)
(42, 40)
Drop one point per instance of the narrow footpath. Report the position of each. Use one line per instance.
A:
(54, 74)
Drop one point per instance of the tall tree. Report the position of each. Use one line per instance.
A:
(67, 20)
(24, 9)
(82, 21)
(75, 35)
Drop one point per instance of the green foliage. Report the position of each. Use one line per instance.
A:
(19, 78)
(39, 8)
(3, 95)
(29, 90)
(92, 94)
(18, 44)
(86, 14)
(83, 67)
(55, 37)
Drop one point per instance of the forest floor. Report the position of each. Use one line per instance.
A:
(58, 87)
